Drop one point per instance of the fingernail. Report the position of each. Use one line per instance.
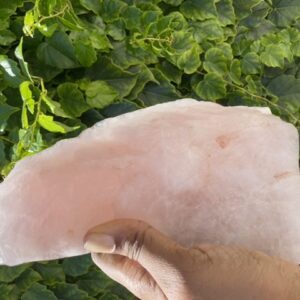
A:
(100, 243)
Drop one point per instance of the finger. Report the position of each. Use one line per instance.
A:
(140, 242)
(130, 274)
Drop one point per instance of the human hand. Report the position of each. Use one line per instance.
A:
(152, 266)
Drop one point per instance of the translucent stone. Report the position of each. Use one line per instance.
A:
(197, 171)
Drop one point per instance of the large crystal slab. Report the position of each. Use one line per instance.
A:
(197, 171)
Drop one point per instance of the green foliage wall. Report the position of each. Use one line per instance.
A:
(65, 65)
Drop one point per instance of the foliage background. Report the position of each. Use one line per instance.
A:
(65, 65)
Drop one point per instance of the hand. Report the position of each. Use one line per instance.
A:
(152, 266)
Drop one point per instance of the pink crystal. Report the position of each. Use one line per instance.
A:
(197, 171)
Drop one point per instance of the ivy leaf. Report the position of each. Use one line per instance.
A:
(3, 160)
(45, 7)
(173, 2)
(122, 81)
(58, 52)
(212, 87)
(284, 12)
(51, 272)
(250, 63)
(71, 99)
(189, 61)
(286, 87)
(225, 12)
(68, 291)
(170, 71)
(243, 8)
(77, 266)
(37, 292)
(93, 282)
(27, 278)
(110, 9)
(5, 112)
(22, 62)
(274, 55)
(11, 71)
(208, 30)
(235, 71)
(85, 54)
(199, 10)
(26, 95)
(9, 292)
(9, 274)
(100, 94)
(55, 107)
(93, 5)
(154, 94)
(6, 37)
(215, 61)
(49, 124)
(119, 108)
(144, 76)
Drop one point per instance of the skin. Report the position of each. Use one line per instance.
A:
(152, 266)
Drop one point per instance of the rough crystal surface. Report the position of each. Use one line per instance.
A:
(197, 171)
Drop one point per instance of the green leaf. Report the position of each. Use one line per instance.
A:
(3, 160)
(77, 266)
(212, 87)
(58, 52)
(66, 291)
(5, 112)
(144, 76)
(286, 87)
(9, 292)
(225, 12)
(26, 95)
(6, 37)
(29, 23)
(243, 8)
(173, 2)
(27, 279)
(9, 274)
(208, 30)
(22, 62)
(235, 72)
(38, 292)
(100, 94)
(284, 12)
(250, 63)
(199, 10)
(85, 54)
(49, 124)
(72, 99)
(275, 54)
(170, 71)
(155, 94)
(51, 272)
(45, 7)
(104, 70)
(111, 9)
(55, 107)
(189, 61)
(119, 108)
(215, 61)
(46, 30)
(93, 5)
(11, 71)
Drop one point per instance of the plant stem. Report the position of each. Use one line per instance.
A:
(6, 140)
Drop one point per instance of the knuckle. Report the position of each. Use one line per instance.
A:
(134, 245)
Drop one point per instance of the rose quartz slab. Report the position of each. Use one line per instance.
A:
(198, 171)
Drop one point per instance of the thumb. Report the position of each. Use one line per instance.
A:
(140, 242)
